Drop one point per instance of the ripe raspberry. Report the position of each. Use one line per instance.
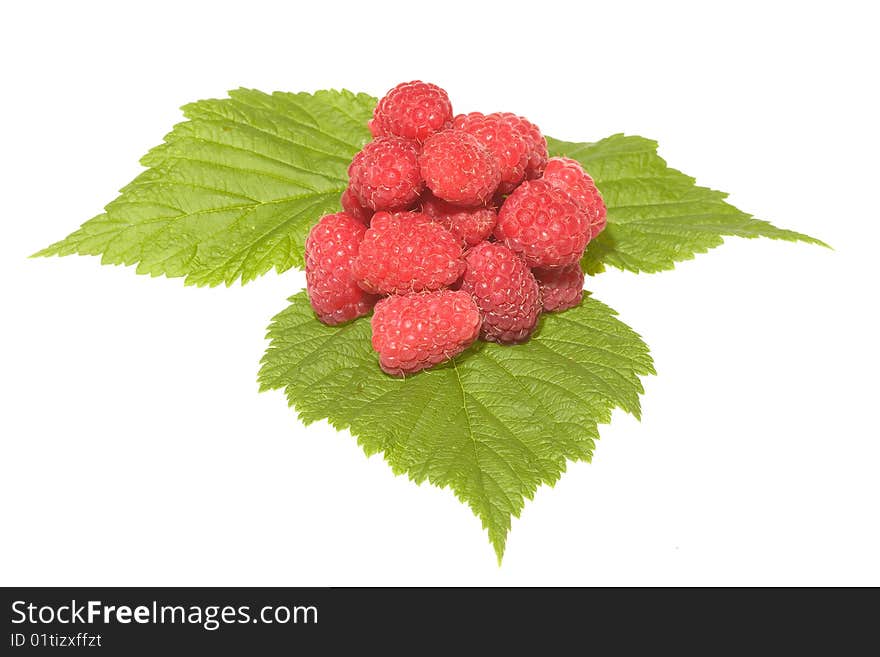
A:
(407, 252)
(537, 151)
(569, 176)
(504, 138)
(470, 225)
(353, 208)
(505, 290)
(560, 288)
(384, 175)
(458, 168)
(412, 110)
(544, 225)
(416, 331)
(331, 247)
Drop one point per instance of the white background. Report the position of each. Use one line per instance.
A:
(136, 449)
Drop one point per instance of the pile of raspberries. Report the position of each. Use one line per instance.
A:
(454, 227)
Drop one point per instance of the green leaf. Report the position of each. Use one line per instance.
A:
(492, 424)
(234, 190)
(657, 216)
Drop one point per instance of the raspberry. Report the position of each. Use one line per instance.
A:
(416, 331)
(458, 168)
(505, 290)
(412, 110)
(505, 140)
(560, 288)
(384, 175)
(569, 176)
(407, 252)
(470, 225)
(331, 247)
(544, 225)
(537, 151)
(353, 208)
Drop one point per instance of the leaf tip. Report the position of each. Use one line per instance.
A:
(499, 551)
(498, 539)
(48, 252)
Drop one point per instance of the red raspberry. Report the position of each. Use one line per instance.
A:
(407, 252)
(569, 176)
(560, 288)
(416, 331)
(353, 208)
(470, 225)
(412, 110)
(505, 290)
(544, 225)
(458, 168)
(537, 152)
(384, 175)
(331, 247)
(504, 138)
